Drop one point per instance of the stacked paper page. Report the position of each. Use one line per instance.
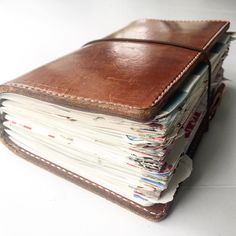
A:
(143, 162)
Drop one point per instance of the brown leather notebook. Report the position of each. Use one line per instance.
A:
(109, 115)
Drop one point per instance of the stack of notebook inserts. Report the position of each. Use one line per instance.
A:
(122, 115)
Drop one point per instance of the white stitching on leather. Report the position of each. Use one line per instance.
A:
(19, 85)
(88, 181)
(119, 104)
(176, 79)
(209, 42)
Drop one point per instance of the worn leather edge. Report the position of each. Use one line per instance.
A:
(156, 212)
(74, 102)
(122, 110)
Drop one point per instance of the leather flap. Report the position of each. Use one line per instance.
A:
(126, 79)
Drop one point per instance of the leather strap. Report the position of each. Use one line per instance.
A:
(202, 51)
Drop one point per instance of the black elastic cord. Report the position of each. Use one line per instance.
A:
(201, 51)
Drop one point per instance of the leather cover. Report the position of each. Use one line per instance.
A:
(125, 79)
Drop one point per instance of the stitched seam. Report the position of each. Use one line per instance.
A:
(73, 175)
(218, 32)
(176, 79)
(123, 105)
(19, 85)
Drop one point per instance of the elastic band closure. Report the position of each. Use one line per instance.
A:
(201, 51)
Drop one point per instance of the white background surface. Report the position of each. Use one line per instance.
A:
(35, 202)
